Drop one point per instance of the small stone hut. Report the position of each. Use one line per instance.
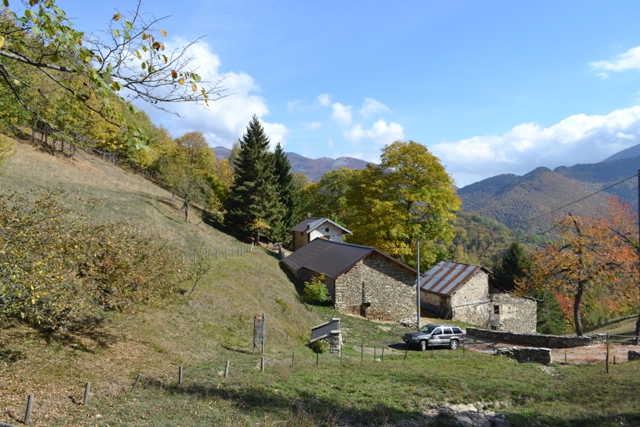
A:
(312, 228)
(361, 279)
(330, 333)
(469, 293)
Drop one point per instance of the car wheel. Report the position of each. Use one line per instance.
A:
(453, 344)
(423, 345)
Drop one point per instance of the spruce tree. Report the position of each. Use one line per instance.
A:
(512, 266)
(290, 197)
(254, 205)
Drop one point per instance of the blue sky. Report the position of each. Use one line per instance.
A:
(489, 87)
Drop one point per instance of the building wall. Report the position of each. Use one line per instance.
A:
(386, 286)
(299, 240)
(517, 315)
(327, 230)
(475, 289)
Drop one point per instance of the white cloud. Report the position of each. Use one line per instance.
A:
(341, 114)
(293, 106)
(373, 106)
(330, 143)
(276, 133)
(325, 99)
(629, 60)
(226, 119)
(380, 133)
(314, 125)
(576, 139)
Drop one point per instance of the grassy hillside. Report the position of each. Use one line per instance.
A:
(201, 332)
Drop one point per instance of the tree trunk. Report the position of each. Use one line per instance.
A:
(576, 310)
(638, 328)
(185, 206)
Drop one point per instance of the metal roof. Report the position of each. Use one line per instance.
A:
(327, 257)
(307, 225)
(447, 276)
(325, 329)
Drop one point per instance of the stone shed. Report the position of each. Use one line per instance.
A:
(468, 293)
(312, 228)
(361, 279)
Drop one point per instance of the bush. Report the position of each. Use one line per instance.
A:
(319, 346)
(56, 266)
(316, 291)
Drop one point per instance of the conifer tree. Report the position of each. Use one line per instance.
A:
(511, 267)
(254, 205)
(290, 197)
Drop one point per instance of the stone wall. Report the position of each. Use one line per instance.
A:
(513, 314)
(377, 288)
(536, 340)
(475, 312)
(475, 289)
(526, 354)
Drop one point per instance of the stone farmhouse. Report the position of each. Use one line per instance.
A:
(361, 279)
(313, 228)
(469, 293)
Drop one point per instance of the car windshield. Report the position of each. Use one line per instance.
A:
(427, 329)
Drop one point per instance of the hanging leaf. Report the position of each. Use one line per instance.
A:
(194, 87)
(117, 16)
(181, 82)
(6, 3)
(116, 33)
(2, 40)
(164, 33)
(174, 74)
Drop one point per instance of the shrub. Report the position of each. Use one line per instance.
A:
(316, 290)
(56, 266)
(319, 346)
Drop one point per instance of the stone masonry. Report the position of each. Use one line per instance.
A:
(376, 288)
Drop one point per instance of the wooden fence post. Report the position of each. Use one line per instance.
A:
(607, 358)
(180, 374)
(226, 370)
(361, 352)
(87, 393)
(27, 415)
(262, 363)
(136, 382)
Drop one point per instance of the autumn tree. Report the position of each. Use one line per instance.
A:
(589, 253)
(189, 169)
(40, 48)
(254, 206)
(6, 150)
(408, 197)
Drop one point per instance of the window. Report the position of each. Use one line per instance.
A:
(496, 309)
(457, 330)
(326, 230)
(437, 332)
(447, 331)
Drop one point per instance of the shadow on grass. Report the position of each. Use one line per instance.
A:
(536, 419)
(236, 350)
(302, 405)
(89, 329)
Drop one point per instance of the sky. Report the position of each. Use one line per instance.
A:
(489, 87)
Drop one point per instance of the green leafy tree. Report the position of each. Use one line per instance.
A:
(512, 267)
(550, 318)
(408, 197)
(254, 203)
(39, 43)
(328, 197)
(289, 195)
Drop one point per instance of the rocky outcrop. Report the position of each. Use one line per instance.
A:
(526, 354)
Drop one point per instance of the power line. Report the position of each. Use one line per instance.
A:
(584, 198)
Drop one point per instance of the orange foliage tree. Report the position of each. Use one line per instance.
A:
(590, 252)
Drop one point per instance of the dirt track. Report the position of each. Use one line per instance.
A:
(593, 354)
